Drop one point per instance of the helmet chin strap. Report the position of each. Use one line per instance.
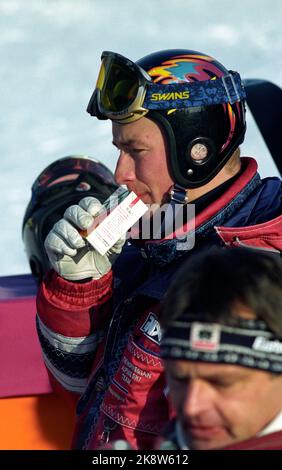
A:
(177, 200)
(178, 194)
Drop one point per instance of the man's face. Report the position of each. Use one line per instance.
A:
(220, 404)
(142, 164)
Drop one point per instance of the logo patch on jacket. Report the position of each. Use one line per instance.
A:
(151, 328)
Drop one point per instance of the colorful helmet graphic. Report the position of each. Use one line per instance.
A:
(198, 103)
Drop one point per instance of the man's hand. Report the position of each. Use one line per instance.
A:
(69, 253)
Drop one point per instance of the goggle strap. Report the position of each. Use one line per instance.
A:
(231, 88)
(227, 89)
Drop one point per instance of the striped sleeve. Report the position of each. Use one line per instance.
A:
(71, 323)
(68, 359)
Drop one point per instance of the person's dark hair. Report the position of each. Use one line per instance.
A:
(215, 281)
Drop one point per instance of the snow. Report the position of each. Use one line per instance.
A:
(49, 59)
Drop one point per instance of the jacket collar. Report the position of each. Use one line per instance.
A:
(162, 252)
(266, 236)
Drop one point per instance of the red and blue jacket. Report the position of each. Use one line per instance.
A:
(100, 339)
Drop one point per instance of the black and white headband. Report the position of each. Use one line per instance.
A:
(250, 343)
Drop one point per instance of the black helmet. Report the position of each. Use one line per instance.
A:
(60, 185)
(198, 103)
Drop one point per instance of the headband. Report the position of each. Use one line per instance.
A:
(250, 343)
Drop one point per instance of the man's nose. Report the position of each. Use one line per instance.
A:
(124, 172)
(198, 398)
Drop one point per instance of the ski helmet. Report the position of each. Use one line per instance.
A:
(63, 183)
(198, 103)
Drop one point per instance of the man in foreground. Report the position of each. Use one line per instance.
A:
(222, 348)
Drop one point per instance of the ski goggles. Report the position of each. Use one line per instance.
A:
(125, 92)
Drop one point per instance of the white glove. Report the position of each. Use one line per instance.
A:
(69, 253)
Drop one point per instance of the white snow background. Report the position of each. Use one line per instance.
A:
(49, 58)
